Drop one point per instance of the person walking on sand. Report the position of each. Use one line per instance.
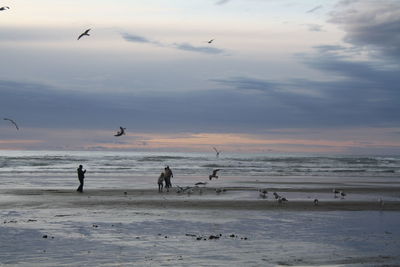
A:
(161, 182)
(81, 176)
(167, 177)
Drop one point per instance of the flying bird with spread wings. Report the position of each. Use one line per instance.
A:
(4, 8)
(210, 41)
(121, 131)
(214, 174)
(216, 151)
(13, 122)
(85, 33)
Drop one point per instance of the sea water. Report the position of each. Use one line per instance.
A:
(121, 169)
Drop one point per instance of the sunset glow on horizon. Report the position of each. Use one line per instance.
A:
(279, 76)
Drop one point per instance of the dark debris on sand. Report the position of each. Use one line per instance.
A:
(216, 237)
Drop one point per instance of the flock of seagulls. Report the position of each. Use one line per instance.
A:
(86, 33)
(122, 130)
(189, 190)
(263, 194)
(338, 192)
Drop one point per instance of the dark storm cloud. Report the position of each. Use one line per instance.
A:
(360, 71)
(35, 105)
(365, 95)
(359, 93)
(371, 24)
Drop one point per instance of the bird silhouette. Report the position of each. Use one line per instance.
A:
(13, 122)
(4, 8)
(84, 33)
(214, 174)
(216, 151)
(121, 131)
(210, 41)
(263, 193)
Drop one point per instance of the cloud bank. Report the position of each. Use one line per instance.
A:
(180, 46)
(370, 24)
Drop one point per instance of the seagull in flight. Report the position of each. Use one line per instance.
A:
(121, 131)
(4, 8)
(216, 151)
(214, 174)
(84, 33)
(13, 122)
(212, 40)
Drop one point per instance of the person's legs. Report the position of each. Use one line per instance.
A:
(80, 188)
(167, 183)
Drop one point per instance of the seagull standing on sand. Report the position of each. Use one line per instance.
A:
(263, 193)
(13, 122)
(121, 131)
(214, 174)
(282, 200)
(335, 192)
(84, 33)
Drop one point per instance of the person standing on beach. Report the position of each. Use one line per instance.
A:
(161, 182)
(167, 177)
(81, 176)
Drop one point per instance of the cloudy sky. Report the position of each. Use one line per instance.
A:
(314, 76)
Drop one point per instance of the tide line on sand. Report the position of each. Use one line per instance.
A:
(150, 198)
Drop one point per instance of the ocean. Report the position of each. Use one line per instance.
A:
(107, 169)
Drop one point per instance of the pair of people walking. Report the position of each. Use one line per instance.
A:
(166, 176)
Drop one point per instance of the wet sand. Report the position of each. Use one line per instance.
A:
(234, 198)
(236, 227)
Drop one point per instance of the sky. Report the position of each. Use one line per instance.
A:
(281, 76)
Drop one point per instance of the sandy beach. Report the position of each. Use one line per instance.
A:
(233, 198)
(141, 227)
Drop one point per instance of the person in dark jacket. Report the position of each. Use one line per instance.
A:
(167, 177)
(81, 176)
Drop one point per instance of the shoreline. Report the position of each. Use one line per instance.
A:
(207, 199)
